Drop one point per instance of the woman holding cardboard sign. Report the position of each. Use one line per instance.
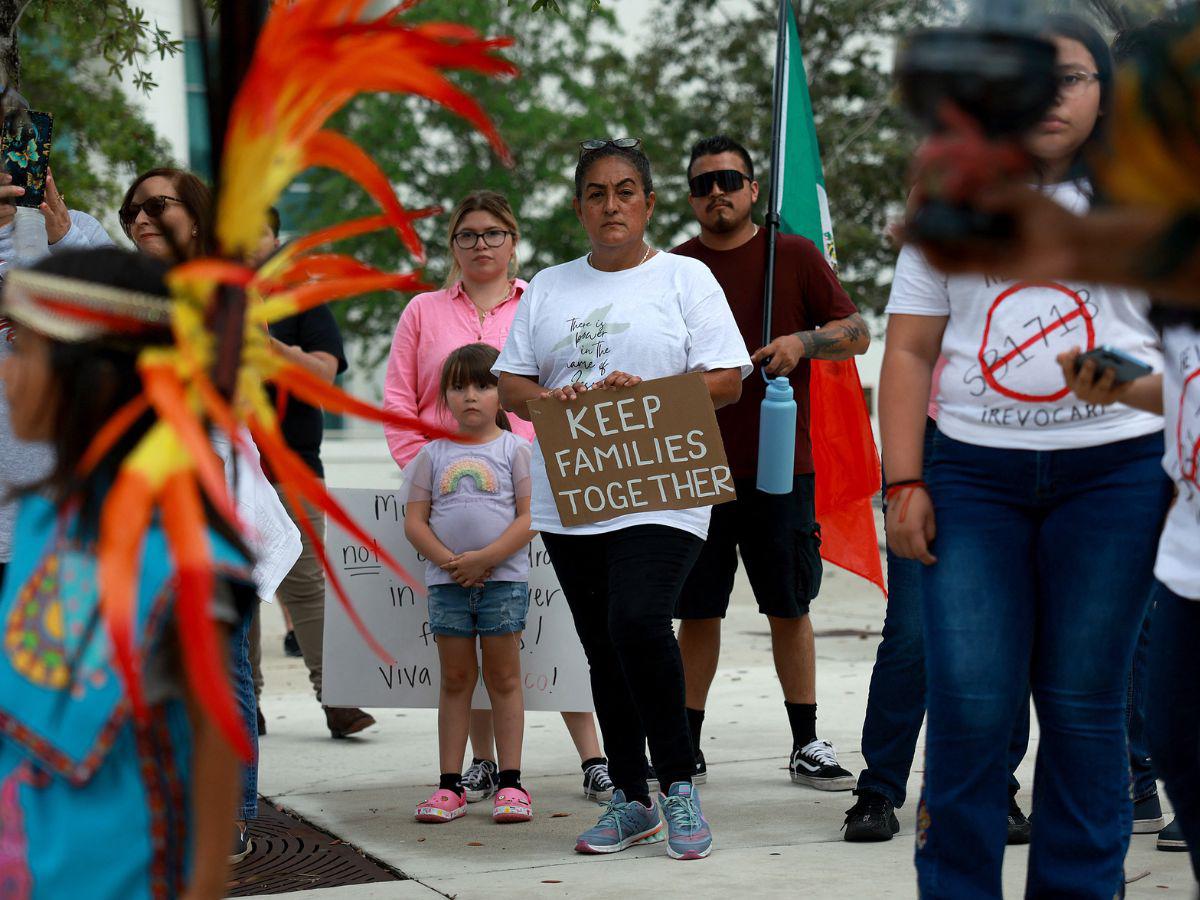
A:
(605, 321)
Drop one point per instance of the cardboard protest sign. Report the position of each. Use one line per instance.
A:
(614, 452)
(554, 670)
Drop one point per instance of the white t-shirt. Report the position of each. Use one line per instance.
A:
(576, 324)
(1002, 386)
(1178, 565)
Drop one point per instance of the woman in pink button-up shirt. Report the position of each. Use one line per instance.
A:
(478, 303)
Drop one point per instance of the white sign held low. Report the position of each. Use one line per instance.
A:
(554, 669)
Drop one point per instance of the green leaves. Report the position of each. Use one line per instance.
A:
(552, 5)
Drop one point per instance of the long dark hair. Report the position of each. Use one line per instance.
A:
(1076, 29)
(472, 364)
(95, 379)
(197, 200)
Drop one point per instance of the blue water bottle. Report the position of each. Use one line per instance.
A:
(777, 438)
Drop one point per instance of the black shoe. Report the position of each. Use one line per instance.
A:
(1019, 827)
(1148, 816)
(242, 845)
(1171, 838)
(262, 723)
(701, 774)
(871, 819)
(816, 764)
(291, 646)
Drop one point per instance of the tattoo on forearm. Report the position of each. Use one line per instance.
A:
(837, 340)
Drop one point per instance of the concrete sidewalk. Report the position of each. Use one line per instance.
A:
(772, 838)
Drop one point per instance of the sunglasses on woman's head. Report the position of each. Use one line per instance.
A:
(601, 143)
(154, 207)
(728, 180)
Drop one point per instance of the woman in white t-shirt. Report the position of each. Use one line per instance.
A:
(623, 313)
(1038, 528)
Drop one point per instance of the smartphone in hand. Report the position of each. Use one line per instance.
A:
(25, 148)
(1105, 357)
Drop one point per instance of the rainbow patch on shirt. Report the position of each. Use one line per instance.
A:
(478, 470)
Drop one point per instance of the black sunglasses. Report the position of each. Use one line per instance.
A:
(600, 143)
(728, 180)
(154, 207)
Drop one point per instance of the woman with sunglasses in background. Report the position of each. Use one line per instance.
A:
(622, 313)
(476, 304)
(167, 213)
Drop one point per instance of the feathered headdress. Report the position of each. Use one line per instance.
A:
(312, 57)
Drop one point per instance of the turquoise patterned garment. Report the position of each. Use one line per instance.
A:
(91, 803)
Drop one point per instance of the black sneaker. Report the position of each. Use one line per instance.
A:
(481, 780)
(291, 646)
(596, 783)
(816, 764)
(262, 722)
(871, 819)
(1171, 838)
(242, 845)
(701, 774)
(1019, 827)
(1148, 815)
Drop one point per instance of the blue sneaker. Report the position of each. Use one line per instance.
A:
(621, 825)
(688, 834)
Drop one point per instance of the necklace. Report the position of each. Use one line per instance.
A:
(645, 256)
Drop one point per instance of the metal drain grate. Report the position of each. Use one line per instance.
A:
(290, 854)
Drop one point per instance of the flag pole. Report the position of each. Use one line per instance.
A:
(776, 198)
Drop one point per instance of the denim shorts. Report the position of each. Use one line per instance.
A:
(499, 607)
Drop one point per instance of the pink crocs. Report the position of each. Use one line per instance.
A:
(512, 805)
(443, 806)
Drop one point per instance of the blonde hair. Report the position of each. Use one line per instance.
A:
(493, 204)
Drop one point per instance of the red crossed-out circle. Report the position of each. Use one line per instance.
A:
(1188, 462)
(1079, 311)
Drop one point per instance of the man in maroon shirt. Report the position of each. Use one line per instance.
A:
(777, 535)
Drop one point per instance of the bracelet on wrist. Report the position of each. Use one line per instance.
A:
(897, 486)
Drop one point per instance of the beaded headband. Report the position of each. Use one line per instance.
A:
(75, 311)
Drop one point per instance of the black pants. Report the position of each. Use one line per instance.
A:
(621, 588)
(3, 566)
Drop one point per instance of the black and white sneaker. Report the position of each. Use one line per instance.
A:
(596, 783)
(1171, 838)
(1019, 827)
(1148, 815)
(871, 819)
(242, 845)
(816, 765)
(481, 780)
(701, 774)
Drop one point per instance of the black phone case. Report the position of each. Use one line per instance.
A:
(1127, 369)
(25, 146)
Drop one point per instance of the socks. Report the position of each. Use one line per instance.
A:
(509, 778)
(803, 719)
(643, 799)
(594, 761)
(695, 719)
(450, 782)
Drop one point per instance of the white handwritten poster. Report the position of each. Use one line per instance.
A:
(553, 665)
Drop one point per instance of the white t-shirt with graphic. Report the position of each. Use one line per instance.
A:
(1178, 565)
(1002, 385)
(576, 324)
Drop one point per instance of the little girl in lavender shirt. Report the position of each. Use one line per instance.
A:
(468, 515)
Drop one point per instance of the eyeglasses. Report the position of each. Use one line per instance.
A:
(154, 207)
(1070, 83)
(728, 180)
(469, 240)
(625, 143)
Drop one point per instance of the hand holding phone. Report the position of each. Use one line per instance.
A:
(25, 149)
(1101, 376)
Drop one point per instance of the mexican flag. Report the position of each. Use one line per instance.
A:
(844, 453)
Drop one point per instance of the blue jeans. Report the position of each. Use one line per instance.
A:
(1173, 717)
(1044, 563)
(896, 698)
(242, 678)
(496, 608)
(1141, 766)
